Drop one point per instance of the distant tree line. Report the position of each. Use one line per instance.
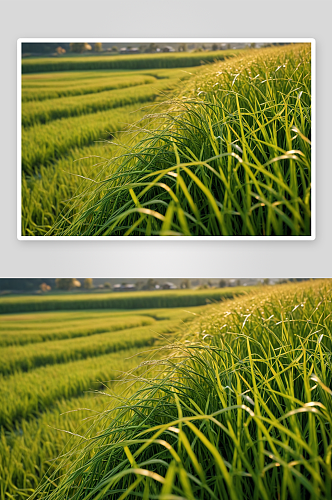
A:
(24, 284)
(27, 285)
(42, 48)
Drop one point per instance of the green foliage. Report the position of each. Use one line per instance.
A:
(85, 82)
(26, 395)
(46, 111)
(230, 156)
(43, 145)
(14, 332)
(28, 452)
(31, 356)
(239, 408)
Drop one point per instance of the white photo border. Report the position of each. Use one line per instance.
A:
(20, 41)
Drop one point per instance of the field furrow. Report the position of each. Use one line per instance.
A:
(28, 357)
(52, 109)
(115, 300)
(44, 144)
(259, 362)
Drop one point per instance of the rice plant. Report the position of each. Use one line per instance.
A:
(42, 86)
(27, 452)
(239, 408)
(229, 156)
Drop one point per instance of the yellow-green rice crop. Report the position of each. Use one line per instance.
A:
(27, 357)
(69, 119)
(239, 408)
(228, 156)
(53, 109)
(118, 300)
(27, 394)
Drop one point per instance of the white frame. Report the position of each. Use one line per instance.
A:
(312, 41)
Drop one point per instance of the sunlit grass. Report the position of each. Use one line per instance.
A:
(42, 86)
(52, 109)
(230, 156)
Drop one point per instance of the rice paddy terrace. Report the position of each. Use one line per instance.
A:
(222, 148)
(227, 400)
(59, 351)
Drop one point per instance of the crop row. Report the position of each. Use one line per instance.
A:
(52, 90)
(41, 333)
(27, 452)
(28, 357)
(55, 153)
(45, 111)
(143, 61)
(45, 195)
(65, 79)
(128, 300)
(25, 395)
(72, 320)
(43, 144)
(30, 447)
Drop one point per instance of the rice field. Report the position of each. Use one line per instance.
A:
(118, 62)
(71, 123)
(219, 149)
(236, 406)
(52, 364)
(117, 300)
